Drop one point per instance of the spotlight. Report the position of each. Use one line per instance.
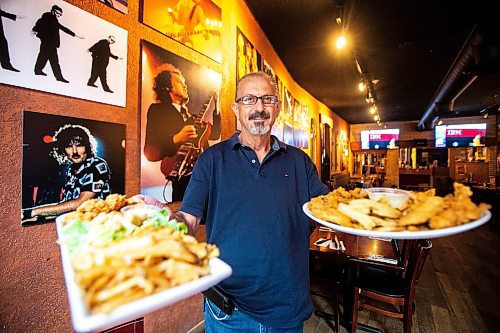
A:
(341, 42)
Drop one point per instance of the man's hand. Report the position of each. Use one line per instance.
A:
(187, 133)
(150, 201)
(79, 37)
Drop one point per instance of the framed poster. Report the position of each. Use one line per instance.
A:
(66, 159)
(300, 138)
(297, 110)
(278, 127)
(269, 70)
(58, 48)
(288, 103)
(175, 93)
(303, 119)
(248, 59)
(288, 133)
(120, 5)
(194, 23)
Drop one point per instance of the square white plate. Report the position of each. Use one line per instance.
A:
(84, 321)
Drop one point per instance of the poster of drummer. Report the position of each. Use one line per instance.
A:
(175, 92)
(194, 23)
(66, 159)
(55, 47)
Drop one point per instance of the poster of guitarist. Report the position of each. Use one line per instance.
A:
(178, 129)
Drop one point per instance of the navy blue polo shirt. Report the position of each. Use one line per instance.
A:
(253, 213)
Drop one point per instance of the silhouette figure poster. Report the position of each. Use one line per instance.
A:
(49, 46)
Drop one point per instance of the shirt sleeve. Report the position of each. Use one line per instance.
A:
(316, 186)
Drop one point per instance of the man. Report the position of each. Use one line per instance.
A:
(169, 125)
(87, 177)
(47, 30)
(4, 46)
(101, 53)
(249, 190)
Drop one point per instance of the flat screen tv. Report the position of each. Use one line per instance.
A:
(462, 135)
(380, 139)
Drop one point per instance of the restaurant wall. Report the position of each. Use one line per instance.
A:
(33, 295)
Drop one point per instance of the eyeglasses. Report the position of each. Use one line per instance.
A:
(252, 100)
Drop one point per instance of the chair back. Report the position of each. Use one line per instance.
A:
(406, 250)
(417, 256)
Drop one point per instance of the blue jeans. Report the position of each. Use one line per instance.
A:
(217, 321)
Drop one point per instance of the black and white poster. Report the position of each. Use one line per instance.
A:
(56, 47)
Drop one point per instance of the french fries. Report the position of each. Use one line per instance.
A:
(423, 211)
(146, 259)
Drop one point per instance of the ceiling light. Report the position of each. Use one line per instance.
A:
(376, 118)
(361, 86)
(485, 115)
(440, 122)
(341, 42)
(373, 109)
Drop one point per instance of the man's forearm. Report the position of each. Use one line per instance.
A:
(62, 207)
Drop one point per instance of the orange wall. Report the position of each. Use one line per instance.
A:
(33, 295)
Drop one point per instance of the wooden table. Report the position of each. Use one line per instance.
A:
(358, 249)
(357, 254)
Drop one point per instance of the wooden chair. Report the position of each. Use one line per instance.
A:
(325, 276)
(388, 288)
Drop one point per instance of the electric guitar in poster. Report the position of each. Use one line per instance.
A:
(181, 165)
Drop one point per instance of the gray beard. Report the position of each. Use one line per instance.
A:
(259, 128)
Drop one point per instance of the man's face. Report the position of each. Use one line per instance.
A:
(56, 13)
(76, 152)
(260, 117)
(179, 91)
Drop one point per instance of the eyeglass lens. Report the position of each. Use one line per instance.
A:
(251, 99)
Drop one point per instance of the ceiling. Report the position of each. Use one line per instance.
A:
(404, 48)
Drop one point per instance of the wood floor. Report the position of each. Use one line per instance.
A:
(459, 290)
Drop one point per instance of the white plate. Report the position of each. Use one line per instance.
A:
(426, 234)
(83, 321)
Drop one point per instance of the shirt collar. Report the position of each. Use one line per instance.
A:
(275, 143)
(177, 107)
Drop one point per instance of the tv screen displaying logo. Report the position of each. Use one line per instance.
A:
(463, 135)
(380, 139)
